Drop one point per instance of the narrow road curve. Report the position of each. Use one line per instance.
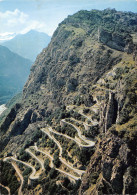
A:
(47, 154)
(34, 156)
(81, 112)
(81, 122)
(80, 172)
(32, 176)
(80, 145)
(64, 172)
(93, 122)
(7, 188)
(20, 176)
(85, 139)
(68, 174)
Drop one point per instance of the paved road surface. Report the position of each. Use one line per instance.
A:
(80, 172)
(61, 171)
(87, 140)
(32, 176)
(34, 156)
(7, 188)
(20, 176)
(80, 145)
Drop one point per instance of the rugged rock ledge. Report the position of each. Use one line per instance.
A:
(112, 169)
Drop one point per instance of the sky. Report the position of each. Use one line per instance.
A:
(21, 16)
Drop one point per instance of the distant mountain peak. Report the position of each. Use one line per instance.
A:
(14, 71)
(35, 31)
(28, 45)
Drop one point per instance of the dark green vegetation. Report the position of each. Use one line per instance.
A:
(89, 67)
(64, 186)
(14, 71)
(8, 178)
(28, 45)
(27, 171)
(3, 190)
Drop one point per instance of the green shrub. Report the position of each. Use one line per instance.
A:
(27, 171)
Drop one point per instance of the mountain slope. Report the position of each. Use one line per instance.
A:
(28, 45)
(79, 109)
(14, 71)
(112, 168)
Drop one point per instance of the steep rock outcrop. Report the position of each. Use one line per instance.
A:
(110, 112)
(108, 171)
(116, 41)
(10, 118)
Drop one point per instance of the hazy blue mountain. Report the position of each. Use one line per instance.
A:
(28, 45)
(14, 71)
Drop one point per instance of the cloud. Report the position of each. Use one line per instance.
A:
(7, 36)
(17, 22)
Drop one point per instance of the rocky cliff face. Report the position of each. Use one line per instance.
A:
(112, 169)
(90, 62)
(116, 40)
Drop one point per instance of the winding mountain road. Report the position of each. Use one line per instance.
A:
(61, 171)
(20, 176)
(49, 131)
(81, 122)
(80, 111)
(45, 153)
(80, 172)
(85, 139)
(7, 188)
(80, 145)
(34, 156)
(93, 122)
(68, 174)
(32, 176)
